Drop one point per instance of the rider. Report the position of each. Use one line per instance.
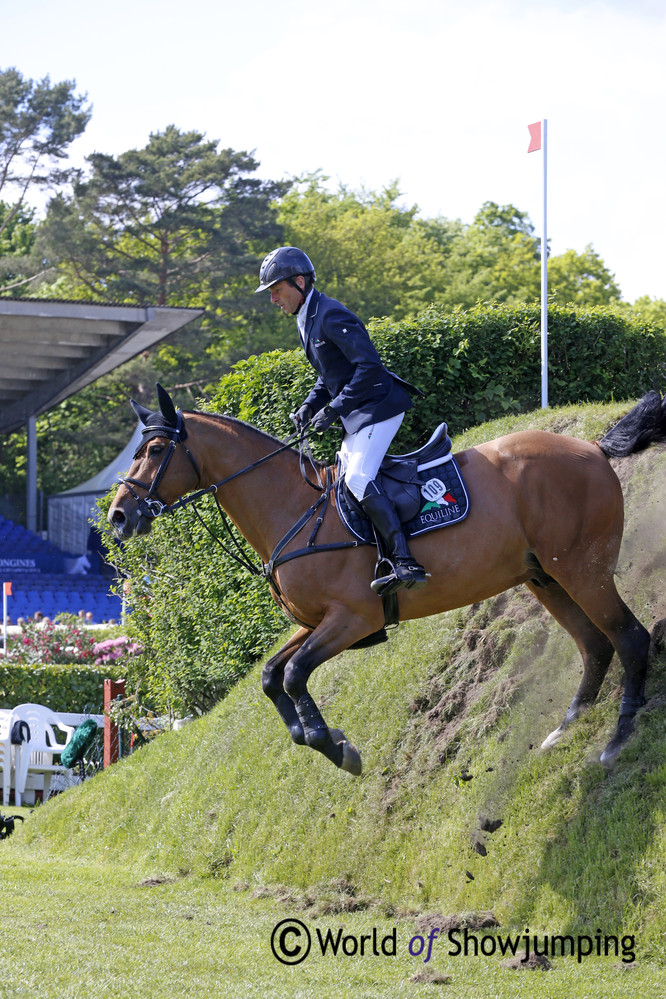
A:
(353, 386)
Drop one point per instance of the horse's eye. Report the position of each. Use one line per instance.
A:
(155, 449)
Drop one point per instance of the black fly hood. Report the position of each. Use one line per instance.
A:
(167, 422)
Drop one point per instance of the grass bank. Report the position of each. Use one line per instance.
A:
(458, 811)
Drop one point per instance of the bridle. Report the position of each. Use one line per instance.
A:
(152, 505)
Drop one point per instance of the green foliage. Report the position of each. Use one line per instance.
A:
(174, 223)
(164, 224)
(38, 121)
(59, 687)
(17, 237)
(61, 664)
(582, 279)
(651, 310)
(201, 620)
(374, 255)
(473, 366)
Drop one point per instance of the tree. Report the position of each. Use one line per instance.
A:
(165, 224)
(581, 279)
(653, 309)
(17, 239)
(38, 122)
(179, 222)
(379, 258)
(495, 259)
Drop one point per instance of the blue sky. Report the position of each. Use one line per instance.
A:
(433, 93)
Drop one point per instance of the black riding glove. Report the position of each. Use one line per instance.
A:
(325, 418)
(302, 417)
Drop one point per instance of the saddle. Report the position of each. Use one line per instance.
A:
(425, 486)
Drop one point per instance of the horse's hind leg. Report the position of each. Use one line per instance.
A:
(596, 595)
(272, 682)
(632, 642)
(596, 650)
(604, 606)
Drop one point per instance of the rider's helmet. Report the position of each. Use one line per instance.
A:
(284, 263)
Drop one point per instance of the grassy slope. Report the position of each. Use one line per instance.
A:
(469, 694)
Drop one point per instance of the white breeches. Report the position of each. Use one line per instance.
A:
(362, 453)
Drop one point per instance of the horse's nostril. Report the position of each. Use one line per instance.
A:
(118, 517)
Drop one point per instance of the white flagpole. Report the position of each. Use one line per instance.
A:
(544, 270)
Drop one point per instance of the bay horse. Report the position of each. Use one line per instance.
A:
(546, 510)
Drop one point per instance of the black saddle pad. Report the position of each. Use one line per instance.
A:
(442, 500)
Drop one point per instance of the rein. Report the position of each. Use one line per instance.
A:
(152, 506)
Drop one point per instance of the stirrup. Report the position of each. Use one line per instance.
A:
(405, 573)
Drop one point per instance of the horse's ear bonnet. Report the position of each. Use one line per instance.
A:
(141, 411)
(167, 422)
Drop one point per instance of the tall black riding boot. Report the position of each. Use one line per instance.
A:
(406, 571)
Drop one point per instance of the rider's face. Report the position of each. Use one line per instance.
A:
(286, 297)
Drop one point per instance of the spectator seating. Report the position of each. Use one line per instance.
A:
(36, 569)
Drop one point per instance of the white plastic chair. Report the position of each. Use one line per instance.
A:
(37, 756)
(5, 753)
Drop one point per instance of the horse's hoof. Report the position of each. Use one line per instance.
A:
(553, 738)
(351, 758)
(625, 728)
(608, 758)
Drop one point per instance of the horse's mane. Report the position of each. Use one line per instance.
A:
(223, 418)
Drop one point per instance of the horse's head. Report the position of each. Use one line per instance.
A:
(162, 471)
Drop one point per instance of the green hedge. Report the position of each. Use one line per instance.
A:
(61, 688)
(473, 366)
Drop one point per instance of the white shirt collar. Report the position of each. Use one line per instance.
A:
(302, 315)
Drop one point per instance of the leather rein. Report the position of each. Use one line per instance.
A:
(152, 506)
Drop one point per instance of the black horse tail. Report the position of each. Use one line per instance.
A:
(645, 424)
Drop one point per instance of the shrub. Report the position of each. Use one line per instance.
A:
(62, 688)
(199, 619)
(113, 649)
(473, 366)
(62, 641)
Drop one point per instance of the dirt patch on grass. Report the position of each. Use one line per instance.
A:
(449, 699)
(338, 896)
(430, 921)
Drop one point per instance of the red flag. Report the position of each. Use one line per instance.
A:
(8, 589)
(535, 137)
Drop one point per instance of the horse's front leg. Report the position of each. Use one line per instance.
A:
(272, 682)
(335, 633)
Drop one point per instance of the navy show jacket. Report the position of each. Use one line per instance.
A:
(352, 378)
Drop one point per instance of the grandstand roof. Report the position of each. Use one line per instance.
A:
(52, 349)
(102, 482)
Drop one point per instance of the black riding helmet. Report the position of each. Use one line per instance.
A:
(284, 264)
